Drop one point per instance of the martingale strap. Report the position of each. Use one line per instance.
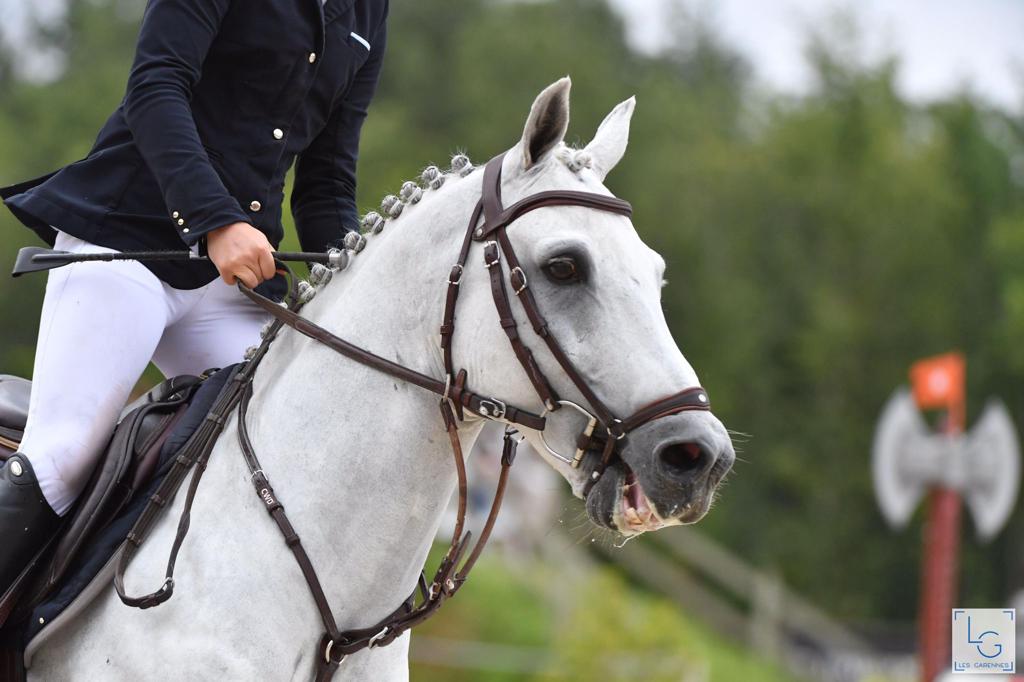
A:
(195, 452)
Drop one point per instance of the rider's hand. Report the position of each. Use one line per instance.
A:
(241, 251)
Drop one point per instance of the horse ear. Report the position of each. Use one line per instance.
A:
(548, 121)
(609, 143)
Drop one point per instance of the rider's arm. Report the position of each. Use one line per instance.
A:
(173, 43)
(324, 195)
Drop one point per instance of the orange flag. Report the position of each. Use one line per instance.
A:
(938, 381)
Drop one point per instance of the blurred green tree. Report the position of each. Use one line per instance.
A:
(816, 245)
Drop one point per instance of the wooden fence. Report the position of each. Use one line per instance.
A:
(751, 607)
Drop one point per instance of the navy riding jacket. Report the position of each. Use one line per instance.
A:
(222, 98)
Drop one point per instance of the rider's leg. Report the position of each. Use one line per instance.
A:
(99, 326)
(214, 332)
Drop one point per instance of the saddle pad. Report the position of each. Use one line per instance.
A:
(90, 562)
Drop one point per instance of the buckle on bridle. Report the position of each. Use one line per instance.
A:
(522, 276)
(377, 637)
(327, 653)
(511, 432)
(492, 408)
(616, 423)
(491, 249)
(455, 276)
(447, 388)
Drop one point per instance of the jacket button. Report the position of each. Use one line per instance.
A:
(255, 206)
(175, 215)
(185, 230)
(181, 221)
(278, 133)
(312, 57)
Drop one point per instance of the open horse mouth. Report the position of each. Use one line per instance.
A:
(637, 511)
(626, 507)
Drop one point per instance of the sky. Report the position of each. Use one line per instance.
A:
(943, 45)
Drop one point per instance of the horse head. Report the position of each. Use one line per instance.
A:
(599, 289)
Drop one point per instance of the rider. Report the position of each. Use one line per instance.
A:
(222, 97)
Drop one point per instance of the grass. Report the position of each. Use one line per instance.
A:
(530, 620)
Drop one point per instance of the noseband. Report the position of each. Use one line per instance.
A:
(604, 432)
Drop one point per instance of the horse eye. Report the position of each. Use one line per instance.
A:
(562, 269)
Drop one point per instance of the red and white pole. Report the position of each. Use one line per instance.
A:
(939, 383)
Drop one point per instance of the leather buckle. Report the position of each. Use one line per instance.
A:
(455, 276)
(615, 430)
(377, 637)
(327, 654)
(517, 271)
(492, 256)
(160, 596)
(327, 650)
(492, 408)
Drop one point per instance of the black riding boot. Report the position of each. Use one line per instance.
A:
(26, 519)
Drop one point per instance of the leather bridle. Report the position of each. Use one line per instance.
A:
(604, 433)
(494, 233)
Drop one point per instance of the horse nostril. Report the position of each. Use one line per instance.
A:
(683, 458)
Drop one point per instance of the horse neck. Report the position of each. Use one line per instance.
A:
(361, 460)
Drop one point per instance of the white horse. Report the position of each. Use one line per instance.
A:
(362, 461)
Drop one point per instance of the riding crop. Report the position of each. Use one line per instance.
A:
(35, 258)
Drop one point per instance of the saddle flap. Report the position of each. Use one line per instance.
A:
(14, 397)
(128, 459)
(153, 432)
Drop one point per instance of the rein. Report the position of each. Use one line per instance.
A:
(335, 645)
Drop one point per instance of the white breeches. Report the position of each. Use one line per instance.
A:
(101, 324)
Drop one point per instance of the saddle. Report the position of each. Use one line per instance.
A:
(149, 432)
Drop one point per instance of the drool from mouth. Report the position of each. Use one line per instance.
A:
(638, 513)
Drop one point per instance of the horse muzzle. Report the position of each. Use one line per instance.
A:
(666, 474)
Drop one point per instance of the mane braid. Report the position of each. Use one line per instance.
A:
(411, 193)
(391, 208)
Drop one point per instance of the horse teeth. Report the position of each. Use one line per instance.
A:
(632, 517)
